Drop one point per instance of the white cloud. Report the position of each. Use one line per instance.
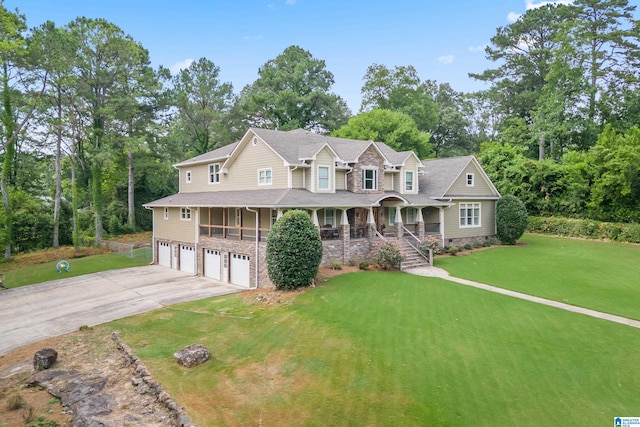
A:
(290, 2)
(480, 48)
(175, 68)
(446, 59)
(513, 17)
(531, 4)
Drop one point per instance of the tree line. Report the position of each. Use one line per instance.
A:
(89, 130)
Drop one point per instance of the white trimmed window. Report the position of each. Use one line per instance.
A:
(408, 181)
(369, 179)
(469, 180)
(264, 176)
(185, 214)
(188, 177)
(166, 213)
(274, 216)
(323, 177)
(469, 215)
(238, 217)
(214, 173)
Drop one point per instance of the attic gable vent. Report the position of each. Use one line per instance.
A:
(255, 141)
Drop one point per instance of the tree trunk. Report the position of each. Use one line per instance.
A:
(7, 210)
(541, 147)
(97, 200)
(58, 194)
(74, 199)
(131, 219)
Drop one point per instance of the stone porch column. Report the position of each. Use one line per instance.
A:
(420, 225)
(399, 230)
(346, 236)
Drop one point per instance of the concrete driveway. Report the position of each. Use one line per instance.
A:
(31, 313)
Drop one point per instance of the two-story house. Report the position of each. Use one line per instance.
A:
(356, 192)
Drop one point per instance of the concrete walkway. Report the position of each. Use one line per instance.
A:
(443, 274)
(33, 313)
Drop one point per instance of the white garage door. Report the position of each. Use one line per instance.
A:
(212, 261)
(187, 258)
(164, 254)
(240, 269)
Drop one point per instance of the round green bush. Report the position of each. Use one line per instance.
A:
(511, 219)
(294, 251)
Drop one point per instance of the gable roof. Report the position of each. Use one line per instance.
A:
(440, 174)
(298, 145)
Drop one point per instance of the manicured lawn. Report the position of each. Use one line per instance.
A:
(598, 275)
(389, 348)
(78, 266)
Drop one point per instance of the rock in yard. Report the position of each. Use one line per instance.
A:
(192, 355)
(44, 359)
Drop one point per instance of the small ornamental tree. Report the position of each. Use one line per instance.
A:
(294, 251)
(511, 219)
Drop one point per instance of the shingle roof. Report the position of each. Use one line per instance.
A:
(286, 198)
(439, 174)
(297, 145)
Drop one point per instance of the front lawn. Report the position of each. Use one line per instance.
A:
(389, 348)
(38, 273)
(601, 276)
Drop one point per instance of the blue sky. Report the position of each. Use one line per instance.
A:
(443, 40)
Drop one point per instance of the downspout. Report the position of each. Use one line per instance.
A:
(257, 255)
(153, 234)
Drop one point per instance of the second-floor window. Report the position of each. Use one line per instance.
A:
(188, 177)
(323, 177)
(408, 181)
(370, 179)
(166, 213)
(185, 214)
(264, 177)
(214, 173)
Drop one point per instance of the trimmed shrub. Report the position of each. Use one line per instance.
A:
(336, 265)
(453, 250)
(363, 265)
(511, 219)
(294, 251)
(467, 246)
(386, 254)
(585, 228)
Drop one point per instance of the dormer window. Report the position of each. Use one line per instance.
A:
(214, 173)
(408, 181)
(469, 180)
(369, 179)
(323, 177)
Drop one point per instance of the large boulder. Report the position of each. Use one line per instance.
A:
(44, 359)
(191, 355)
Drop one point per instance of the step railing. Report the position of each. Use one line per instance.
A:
(415, 247)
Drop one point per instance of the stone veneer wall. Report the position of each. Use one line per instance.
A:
(461, 241)
(370, 158)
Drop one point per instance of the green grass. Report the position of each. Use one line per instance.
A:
(388, 348)
(601, 276)
(78, 266)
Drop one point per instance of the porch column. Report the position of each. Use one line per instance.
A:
(441, 226)
(420, 224)
(346, 236)
(314, 217)
(279, 214)
(399, 230)
(371, 223)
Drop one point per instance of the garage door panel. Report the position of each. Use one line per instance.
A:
(240, 269)
(187, 259)
(212, 262)
(164, 254)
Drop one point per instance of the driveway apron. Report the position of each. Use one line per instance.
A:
(32, 313)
